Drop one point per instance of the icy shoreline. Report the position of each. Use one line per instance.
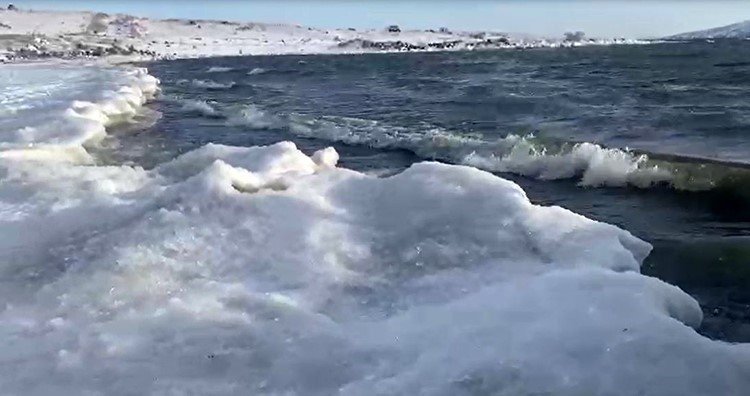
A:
(45, 34)
(266, 270)
(230, 270)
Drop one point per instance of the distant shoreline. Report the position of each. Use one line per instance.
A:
(30, 34)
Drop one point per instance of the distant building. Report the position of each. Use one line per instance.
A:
(394, 29)
(444, 30)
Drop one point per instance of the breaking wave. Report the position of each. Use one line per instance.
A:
(207, 84)
(256, 71)
(219, 69)
(592, 165)
(200, 107)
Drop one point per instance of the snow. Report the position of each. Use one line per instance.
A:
(265, 270)
(736, 30)
(61, 34)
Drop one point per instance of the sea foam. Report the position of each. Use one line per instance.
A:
(207, 84)
(219, 69)
(200, 107)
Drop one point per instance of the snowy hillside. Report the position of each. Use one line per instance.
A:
(38, 34)
(736, 30)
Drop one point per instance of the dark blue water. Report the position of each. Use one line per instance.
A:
(687, 106)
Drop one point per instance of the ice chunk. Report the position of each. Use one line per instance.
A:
(263, 270)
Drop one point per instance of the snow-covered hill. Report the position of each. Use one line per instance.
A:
(34, 34)
(739, 30)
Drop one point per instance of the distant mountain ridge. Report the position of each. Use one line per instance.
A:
(736, 30)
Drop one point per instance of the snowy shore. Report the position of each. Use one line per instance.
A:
(265, 270)
(26, 34)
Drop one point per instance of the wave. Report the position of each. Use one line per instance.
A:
(207, 84)
(256, 71)
(219, 69)
(254, 117)
(592, 165)
(200, 107)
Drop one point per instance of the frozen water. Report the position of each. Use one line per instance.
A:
(263, 270)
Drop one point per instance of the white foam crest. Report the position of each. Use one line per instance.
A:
(265, 270)
(201, 107)
(207, 84)
(219, 69)
(254, 117)
(596, 166)
(256, 71)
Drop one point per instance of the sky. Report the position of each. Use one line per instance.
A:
(600, 18)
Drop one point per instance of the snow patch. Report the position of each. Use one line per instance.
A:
(32, 34)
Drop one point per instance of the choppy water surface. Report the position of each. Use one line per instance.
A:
(523, 114)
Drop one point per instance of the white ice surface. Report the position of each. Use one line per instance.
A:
(262, 270)
(53, 109)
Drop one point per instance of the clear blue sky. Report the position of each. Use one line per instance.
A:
(631, 18)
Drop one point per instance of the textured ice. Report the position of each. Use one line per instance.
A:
(53, 109)
(265, 270)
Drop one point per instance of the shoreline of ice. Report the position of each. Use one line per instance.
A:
(28, 34)
(53, 110)
(266, 270)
